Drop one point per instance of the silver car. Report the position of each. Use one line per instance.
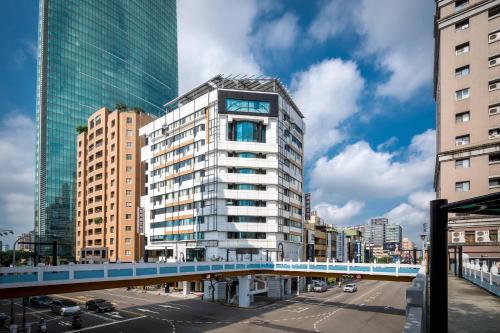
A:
(319, 286)
(350, 288)
(65, 307)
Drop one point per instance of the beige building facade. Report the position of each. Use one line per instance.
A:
(109, 183)
(467, 93)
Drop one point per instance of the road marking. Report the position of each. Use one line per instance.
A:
(168, 306)
(114, 314)
(147, 310)
(107, 324)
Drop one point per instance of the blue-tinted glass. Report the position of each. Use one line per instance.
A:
(94, 54)
(244, 170)
(247, 155)
(239, 105)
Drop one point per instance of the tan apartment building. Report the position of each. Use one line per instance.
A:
(320, 240)
(109, 183)
(467, 93)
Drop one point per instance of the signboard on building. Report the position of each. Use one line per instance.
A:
(140, 220)
(308, 206)
(392, 246)
(310, 252)
(310, 237)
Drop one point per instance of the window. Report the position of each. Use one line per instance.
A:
(128, 240)
(128, 204)
(246, 235)
(462, 140)
(461, 4)
(111, 241)
(128, 228)
(112, 159)
(128, 193)
(128, 216)
(494, 181)
(462, 186)
(494, 133)
(112, 218)
(129, 133)
(97, 120)
(462, 117)
(494, 12)
(128, 181)
(462, 25)
(128, 169)
(494, 85)
(462, 94)
(129, 120)
(462, 71)
(246, 131)
(129, 157)
(129, 144)
(112, 183)
(127, 252)
(112, 123)
(463, 163)
(246, 219)
(240, 105)
(494, 158)
(462, 48)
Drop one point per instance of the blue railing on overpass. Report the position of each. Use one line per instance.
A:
(13, 277)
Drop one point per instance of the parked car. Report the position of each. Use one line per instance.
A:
(319, 286)
(65, 307)
(41, 301)
(3, 319)
(350, 288)
(99, 305)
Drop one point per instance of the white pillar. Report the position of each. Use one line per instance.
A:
(288, 286)
(186, 286)
(298, 285)
(243, 290)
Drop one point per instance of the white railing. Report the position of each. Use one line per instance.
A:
(483, 275)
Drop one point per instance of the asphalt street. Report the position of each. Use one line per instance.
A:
(377, 306)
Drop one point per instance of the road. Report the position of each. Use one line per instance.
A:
(377, 306)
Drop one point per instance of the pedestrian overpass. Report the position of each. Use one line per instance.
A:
(44, 280)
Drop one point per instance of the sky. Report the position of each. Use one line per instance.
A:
(360, 70)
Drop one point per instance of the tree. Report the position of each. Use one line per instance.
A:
(137, 109)
(121, 107)
(82, 128)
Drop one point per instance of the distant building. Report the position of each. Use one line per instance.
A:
(109, 182)
(376, 231)
(407, 244)
(393, 234)
(321, 240)
(28, 238)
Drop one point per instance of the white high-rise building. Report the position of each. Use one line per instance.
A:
(224, 174)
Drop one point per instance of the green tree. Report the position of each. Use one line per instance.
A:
(82, 128)
(137, 109)
(121, 107)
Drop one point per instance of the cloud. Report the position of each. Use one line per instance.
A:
(327, 94)
(279, 34)
(398, 48)
(334, 214)
(215, 37)
(26, 51)
(17, 173)
(387, 143)
(413, 214)
(361, 173)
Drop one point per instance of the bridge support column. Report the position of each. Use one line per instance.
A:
(276, 287)
(243, 291)
(186, 287)
(288, 286)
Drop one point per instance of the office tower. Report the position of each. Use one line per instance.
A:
(225, 174)
(93, 54)
(376, 231)
(467, 93)
(108, 187)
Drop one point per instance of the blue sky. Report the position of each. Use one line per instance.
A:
(361, 71)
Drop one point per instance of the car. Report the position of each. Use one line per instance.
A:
(40, 301)
(99, 305)
(350, 288)
(3, 319)
(319, 286)
(65, 307)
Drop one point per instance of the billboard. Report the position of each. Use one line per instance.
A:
(392, 246)
(308, 206)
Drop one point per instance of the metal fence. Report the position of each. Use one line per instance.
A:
(482, 275)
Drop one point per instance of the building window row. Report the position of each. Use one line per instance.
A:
(249, 187)
(177, 237)
(246, 235)
(246, 131)
(253, 203)
(247, 106)
(246, 219)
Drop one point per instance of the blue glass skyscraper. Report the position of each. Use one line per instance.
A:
(93, 54)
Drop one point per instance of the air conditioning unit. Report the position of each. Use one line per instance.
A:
(458, 237)
(493, 111)
(492, 86)
(461, 143)
(482, 236)
(493, 37)
(493, 134)
(493, 62)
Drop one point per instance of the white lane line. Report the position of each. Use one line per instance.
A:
(168, 306)
(107, 324)
(147, 310)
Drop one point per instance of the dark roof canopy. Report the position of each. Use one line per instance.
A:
(483, 205)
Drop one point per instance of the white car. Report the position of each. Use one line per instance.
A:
(65, 307)
(319, 286)
(350, 288)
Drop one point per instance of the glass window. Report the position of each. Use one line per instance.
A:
(129, 144)
(463, 163)
(462, 117)
(494, 181)
(247, 131)
(462, 186)
(129, 133)
(462, 94)
(129, 157)
(462, 140)
(129, 120)
(462, 48)
(240, 105)
(461, 4)
(462, 71)
(462, 25)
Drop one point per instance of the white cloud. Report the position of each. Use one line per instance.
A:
(17, 173)
(411, 215)
(334, 214)
(361, 173)
(327, 94)
(215, 38)
(279, 34)
(401, 49)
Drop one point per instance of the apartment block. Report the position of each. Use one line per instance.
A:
(224, 176)
(109, 181)
(467, 93)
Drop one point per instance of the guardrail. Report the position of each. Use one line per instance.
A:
(15, 277)
(416, 304)
(482, 275)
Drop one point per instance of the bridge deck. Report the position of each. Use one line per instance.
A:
(29, 281)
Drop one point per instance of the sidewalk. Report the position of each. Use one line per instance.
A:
(471, 309)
